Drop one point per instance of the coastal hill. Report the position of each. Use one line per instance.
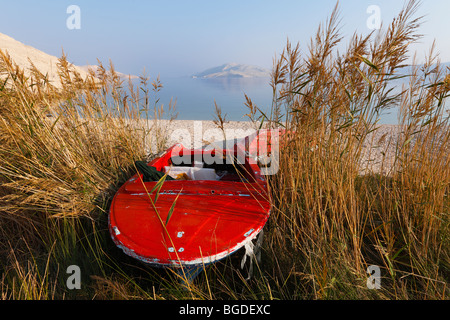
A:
(22, 54)
(233, 70)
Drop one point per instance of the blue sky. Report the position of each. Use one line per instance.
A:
(176, 38)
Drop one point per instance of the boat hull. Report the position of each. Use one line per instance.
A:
(188, 223)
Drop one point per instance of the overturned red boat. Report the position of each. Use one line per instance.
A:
(215, 202)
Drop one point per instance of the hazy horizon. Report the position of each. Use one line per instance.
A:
(177, 38)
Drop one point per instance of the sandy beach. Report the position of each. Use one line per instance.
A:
(377, 153)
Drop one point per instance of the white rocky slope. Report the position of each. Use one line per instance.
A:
(22, 54)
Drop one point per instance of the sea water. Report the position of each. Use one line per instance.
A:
(195, 98)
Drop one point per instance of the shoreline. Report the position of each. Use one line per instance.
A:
(378, 150)
(377, 154)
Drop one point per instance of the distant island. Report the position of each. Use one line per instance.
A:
(233, 70)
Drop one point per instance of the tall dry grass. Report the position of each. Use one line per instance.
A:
(63, 153)
(330, 221)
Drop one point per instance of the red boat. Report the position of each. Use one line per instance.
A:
(216, 203)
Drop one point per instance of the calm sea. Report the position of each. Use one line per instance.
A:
(195, 97)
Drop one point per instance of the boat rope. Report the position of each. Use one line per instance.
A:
(252, 251)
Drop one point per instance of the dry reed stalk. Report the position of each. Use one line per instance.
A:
(332, 221)
(63, 152)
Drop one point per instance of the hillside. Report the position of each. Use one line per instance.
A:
(22, 54)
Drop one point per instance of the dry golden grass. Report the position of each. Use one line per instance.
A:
(63, 152)
(328, 222)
